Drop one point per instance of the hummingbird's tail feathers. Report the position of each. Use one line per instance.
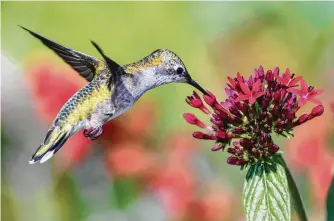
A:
(84, 64)
(53, 141)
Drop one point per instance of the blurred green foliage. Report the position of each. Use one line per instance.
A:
(71, 206)
(330, 201)
(123, 192)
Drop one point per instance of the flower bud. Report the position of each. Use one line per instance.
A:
(280, 123)
(276, 71)
(264, 104)
(221, 114)
(217, 147)
(246, 143)
(243, 107)
(238, 131)
(317, 111)
(240, 162)
(277, 95)
(302, 119)
(190, 118)
(236, 144)
(196, 103)
(269, 76)
(290, 116)
(232, 160)
(200, 135)
(260, 72)
(221, 134)
(209, 98)
(273, 148)
(231, 150)
(218, 123)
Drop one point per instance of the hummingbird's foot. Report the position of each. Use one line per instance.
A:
(93, 133)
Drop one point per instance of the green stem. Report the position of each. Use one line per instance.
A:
(297, 201)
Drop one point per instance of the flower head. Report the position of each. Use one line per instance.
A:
(266, 103)
(306, 93)
(287, 79)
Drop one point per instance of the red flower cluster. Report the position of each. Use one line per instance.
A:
(265, 103)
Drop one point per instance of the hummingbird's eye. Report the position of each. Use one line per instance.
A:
(179, 70)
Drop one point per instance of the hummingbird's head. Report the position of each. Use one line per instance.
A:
(163, 66)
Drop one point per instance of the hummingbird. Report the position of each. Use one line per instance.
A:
(111, 90)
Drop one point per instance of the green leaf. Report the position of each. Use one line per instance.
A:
(266, 193)
(124, 191)
(330, 202)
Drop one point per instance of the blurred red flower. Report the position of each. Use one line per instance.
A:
(214, 205)
(309, 152)
(174, 187)
(128, 159)
(51, 86)
(321, 176)
(175, 183)
(172, 180)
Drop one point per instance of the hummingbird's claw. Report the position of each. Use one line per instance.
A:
(94, 133)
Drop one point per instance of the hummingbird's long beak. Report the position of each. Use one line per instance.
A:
(196, 85)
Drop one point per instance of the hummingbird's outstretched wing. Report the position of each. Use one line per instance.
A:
(84, 64)
(114, 67)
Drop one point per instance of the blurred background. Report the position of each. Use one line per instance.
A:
(147, 166)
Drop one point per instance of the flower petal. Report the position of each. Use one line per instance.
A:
(314, 100)
(295, 91)
(294, 81)
(256, 85)
(241, 98)
(258, 94)
(303, 86)
(301, 101)
(244, 88)
(240, 79)
(318, 91)
(232, 82)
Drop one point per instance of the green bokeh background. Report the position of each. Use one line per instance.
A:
(214, 39)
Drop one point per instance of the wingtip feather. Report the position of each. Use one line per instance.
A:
(26, 29)
(97, 47)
